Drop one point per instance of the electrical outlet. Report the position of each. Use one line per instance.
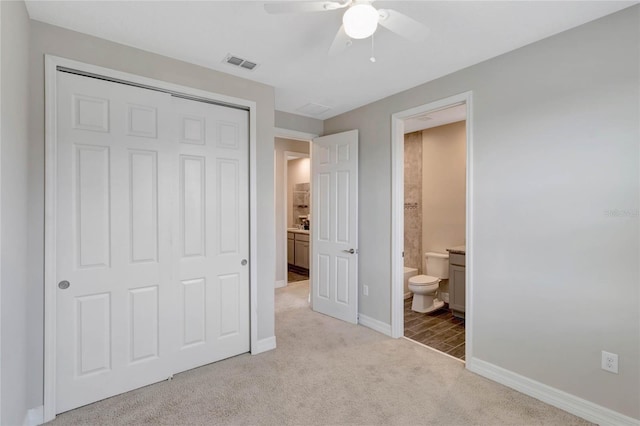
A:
(610, 362)
(365, 290)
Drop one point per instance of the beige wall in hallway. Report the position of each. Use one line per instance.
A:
(298, 172)
(443, 186)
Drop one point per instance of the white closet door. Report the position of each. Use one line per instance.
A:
(151, 233)
(113, 239)
(212, 247)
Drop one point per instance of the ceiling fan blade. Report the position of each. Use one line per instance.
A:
(340, 43)
(303, 6)
(402, 25)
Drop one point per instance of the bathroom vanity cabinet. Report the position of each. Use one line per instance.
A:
(290, 248)
(298, 248)
(457, 288)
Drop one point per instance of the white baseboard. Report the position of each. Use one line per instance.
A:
(281, 283)
(34, 416)
(264, 345)
(374, 324)
(552, 396)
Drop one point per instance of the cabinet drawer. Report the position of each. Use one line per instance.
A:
(456, 259)
(302, 237)
(302, 254)
(290, 235)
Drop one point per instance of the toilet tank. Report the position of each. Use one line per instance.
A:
(437, 264)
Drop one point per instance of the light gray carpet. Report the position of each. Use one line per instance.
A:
(325, 372)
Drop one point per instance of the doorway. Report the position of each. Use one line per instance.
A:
(400, 253)
(434, 228)
(289, 146)
(297, 180)
(333, 237)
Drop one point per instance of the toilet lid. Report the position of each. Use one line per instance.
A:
(423, 280)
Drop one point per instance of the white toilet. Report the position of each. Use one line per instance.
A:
(425, 287)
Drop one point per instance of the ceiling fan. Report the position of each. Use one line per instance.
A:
(360, 20)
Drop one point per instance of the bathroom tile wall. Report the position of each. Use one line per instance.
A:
(413, 200)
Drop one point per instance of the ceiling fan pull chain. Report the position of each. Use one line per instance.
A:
(373, 54)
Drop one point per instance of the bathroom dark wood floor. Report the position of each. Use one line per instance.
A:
(439, 330)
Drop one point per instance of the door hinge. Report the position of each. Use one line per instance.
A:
(403, 255)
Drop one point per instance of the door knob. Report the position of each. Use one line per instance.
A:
(243, 262)
(350, 251)
(64, 285)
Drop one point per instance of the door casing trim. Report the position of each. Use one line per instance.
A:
(296, 135)
(51, 66)
(397, 213)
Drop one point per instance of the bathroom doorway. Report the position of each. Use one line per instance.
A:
(431, 146)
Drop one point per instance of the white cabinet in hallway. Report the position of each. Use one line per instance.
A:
(298, 248)
(302, 250)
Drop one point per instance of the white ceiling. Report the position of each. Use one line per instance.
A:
(291, 50)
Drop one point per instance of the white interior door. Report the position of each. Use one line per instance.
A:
(334, 226)
(212, 212)
(151, 231)
(113, 231)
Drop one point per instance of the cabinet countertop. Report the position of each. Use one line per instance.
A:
(298, 231)
(457, 249)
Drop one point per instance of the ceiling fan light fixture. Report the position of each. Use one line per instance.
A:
(360, 21)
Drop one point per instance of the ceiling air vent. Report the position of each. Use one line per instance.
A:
(240, 62)
(315, 110)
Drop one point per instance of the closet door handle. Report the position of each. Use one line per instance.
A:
(350, 251)
(63, 285)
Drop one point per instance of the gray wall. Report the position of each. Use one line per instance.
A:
(555, 206)
(69, 44)
(14, 258)
(285, 120)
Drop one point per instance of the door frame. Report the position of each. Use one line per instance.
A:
(50, 314)
(397, 213)
(296, 136)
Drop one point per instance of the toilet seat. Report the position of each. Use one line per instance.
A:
(423, 280)
(424, 284)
